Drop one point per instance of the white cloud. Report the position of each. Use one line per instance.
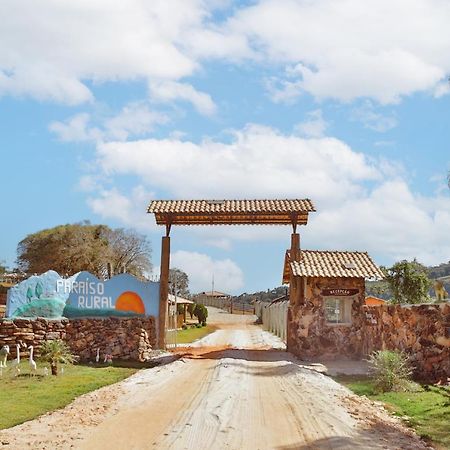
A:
(89, 183)
(373, 120)
(350, 49)
(389, 222)
(343, 50)
(130, 210)
(442, 88)
(135, 119)
(228, 276)
(321, 168)
(362, 203)
(314, 126)
(49, 50)
(75, 128)
(167, 91)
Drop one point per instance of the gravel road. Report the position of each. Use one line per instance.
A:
(235, 389)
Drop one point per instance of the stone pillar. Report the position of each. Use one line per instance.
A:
(163, 291)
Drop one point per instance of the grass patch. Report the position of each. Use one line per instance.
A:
(192, 334)
(24, 397)
(428, 409)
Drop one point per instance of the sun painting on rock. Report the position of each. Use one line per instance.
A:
(130, 301)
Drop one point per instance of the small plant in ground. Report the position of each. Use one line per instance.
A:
(184, 326)
(201, 313)
(391, 370)
(56, 352)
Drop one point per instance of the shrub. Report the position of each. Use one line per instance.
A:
(56, 352)
(391, 370)
(184, 326)
(201, 313)
(199, 325)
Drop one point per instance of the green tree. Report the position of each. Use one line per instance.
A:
(178, 283)
(408, 282)
(128, 252)
(201, 312)
(56, 352)
(191, 309)
(98, 249)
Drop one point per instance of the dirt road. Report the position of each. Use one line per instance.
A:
(233, 390)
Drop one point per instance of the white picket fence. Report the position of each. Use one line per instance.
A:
(273, 317)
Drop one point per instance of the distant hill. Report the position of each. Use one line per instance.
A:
(264, 296)
(442, 270)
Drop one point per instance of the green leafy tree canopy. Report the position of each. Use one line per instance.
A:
(201, 312)
(408, 281)
(178, 283)
(98, 249)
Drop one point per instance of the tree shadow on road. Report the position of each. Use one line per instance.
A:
(378, 436)
(292, 364)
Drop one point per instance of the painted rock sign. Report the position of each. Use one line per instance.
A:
(82, 295)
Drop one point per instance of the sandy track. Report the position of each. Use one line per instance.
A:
(234, 393)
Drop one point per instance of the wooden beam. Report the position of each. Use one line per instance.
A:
(231, 219)
(163, 291)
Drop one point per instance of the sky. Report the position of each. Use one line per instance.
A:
(106, 105)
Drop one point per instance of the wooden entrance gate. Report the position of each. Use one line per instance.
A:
(220, 212)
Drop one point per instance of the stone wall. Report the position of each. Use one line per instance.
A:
(123, 338)
(309, 335)
(423, 331)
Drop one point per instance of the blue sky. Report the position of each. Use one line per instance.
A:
(105, 107)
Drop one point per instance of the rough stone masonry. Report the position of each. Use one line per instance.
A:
(123, 338)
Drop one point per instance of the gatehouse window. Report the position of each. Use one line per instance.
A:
(338, 310)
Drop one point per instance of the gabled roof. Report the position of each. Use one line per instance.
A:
(180, 300)
(331, 264)
(214, 294)
(231, 212)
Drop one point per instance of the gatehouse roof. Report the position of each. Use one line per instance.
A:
(231, 212)
(331, 264)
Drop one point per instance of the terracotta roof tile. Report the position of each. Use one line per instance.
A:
(233, 206)
(231, 212)
(331, 264)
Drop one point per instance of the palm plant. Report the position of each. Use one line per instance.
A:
(56, 352)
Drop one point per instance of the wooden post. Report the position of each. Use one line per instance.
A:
(163, 291)
(295, 247)
(294, 287)
(295, 256)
